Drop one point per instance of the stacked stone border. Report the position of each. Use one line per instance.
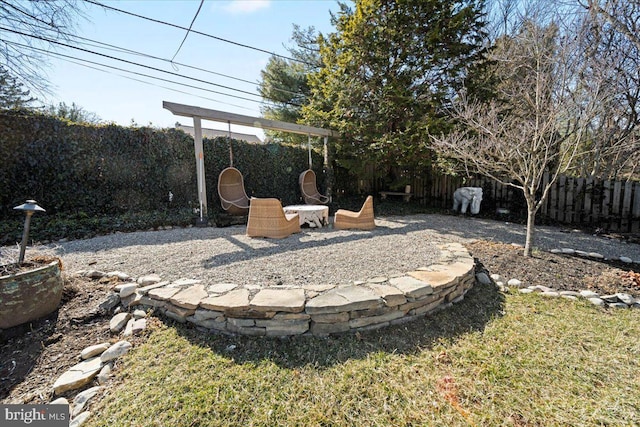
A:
(318, 310)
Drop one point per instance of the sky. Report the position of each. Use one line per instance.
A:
(116, 97)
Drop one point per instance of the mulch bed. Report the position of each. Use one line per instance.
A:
(561, 272)
(33, 355)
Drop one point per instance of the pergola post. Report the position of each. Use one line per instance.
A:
(202, 185)
(325, 151)
(328, 170)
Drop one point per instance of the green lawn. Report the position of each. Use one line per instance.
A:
(492, 360)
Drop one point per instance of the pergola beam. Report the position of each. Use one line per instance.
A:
(239, 119)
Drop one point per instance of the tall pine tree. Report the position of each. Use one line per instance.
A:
(12, 92)
(388, 70)
(285, 85)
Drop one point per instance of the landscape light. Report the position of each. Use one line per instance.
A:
(29, 207)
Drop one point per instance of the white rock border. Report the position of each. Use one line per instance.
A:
(618, 300)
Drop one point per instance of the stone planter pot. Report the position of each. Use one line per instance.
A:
(29, 295)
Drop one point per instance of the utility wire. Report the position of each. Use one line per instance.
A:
(129, 71)
(107, 46)
(49, 24)
(126, 50)
(156, 85)
(133, 63)
(189, 30)
(196, 32)
(26, 13)
(103, 45)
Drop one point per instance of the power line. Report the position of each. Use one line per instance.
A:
(130, 71)
(189, 30)
(103, 45)
(99, 44)
(141, 54)
(130, 51)
(26, 13)
(140, 65)
(196, 32)
(156, 85)
(127, 61)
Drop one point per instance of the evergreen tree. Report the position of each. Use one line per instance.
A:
(285, 83)
(388, 71)
(12, 93)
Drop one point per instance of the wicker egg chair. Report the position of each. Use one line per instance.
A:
(309, 191)
(233, 197)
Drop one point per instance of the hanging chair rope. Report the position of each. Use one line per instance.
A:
(309, 144)
(230, 147)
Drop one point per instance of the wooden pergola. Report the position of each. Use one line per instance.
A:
(198, 114)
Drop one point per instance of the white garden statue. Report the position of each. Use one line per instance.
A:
(464, 196)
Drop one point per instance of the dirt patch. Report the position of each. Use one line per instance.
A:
(15, 268)
(32, 356)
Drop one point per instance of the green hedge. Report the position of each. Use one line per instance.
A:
(93, 171)
(269, 170)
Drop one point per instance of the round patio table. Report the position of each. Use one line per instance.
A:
(312, 215)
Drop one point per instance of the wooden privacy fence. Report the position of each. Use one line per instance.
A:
(610, 205)
(605, 204)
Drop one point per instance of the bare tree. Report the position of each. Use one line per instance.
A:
(27, 30)
(607, 36)
(621, 14)
(535, 125)
(73, 113)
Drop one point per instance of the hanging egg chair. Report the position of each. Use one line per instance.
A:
(233, 196)
(308, 188)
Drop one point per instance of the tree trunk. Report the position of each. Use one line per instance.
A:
(531, 222)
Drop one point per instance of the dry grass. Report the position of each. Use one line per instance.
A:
(514, 360)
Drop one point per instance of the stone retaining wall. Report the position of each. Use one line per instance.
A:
(314, 309)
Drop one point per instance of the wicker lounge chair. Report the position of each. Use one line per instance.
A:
(309, 191)
(267, 219)
(233, 198)
(362, 220)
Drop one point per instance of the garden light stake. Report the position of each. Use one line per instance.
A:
(29, 207)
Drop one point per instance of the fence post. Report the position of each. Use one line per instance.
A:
(635, 211)
(569, 204)
(588, 194)
(545, 206)
(578, 202)
(625, 215)
(606, 202)
(615, 205)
